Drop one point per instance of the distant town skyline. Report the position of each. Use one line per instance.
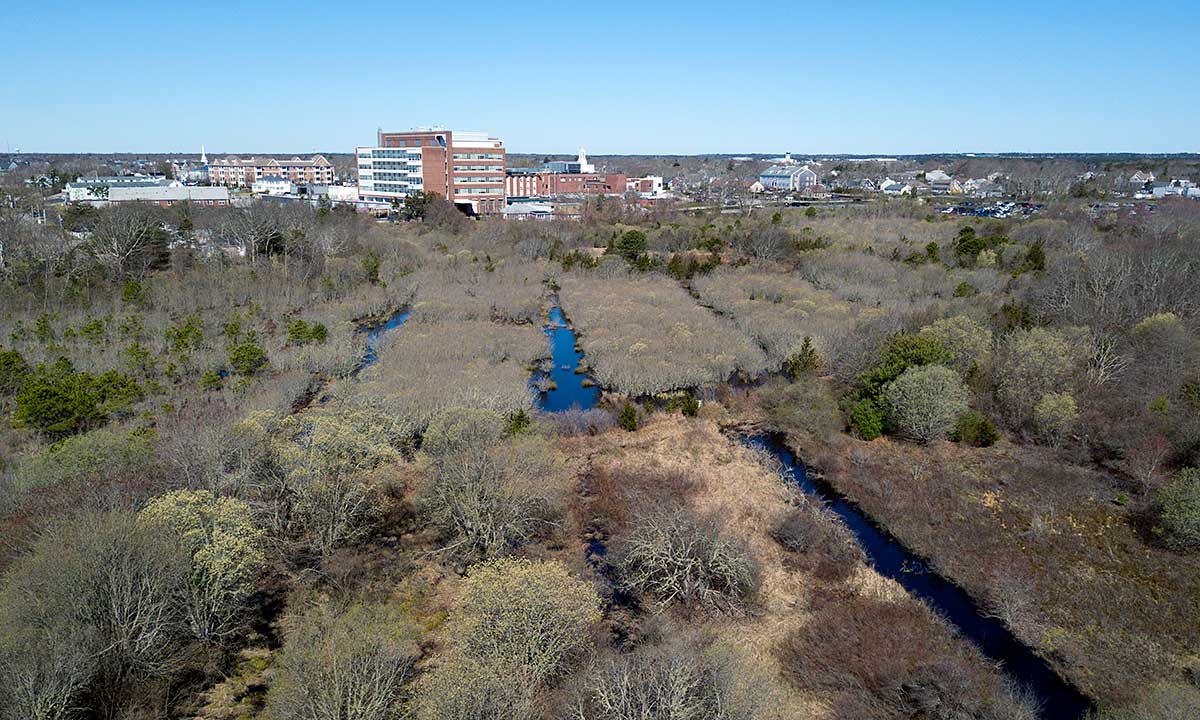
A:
(618, 78)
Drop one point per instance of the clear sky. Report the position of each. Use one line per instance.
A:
(619, 77)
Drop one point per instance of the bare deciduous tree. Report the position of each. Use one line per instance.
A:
(123, 237)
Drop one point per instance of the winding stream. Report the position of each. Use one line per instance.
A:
(374, 333)
(1057, 699)
(891, 559)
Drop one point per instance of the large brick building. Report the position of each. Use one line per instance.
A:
(467, 168)
(563, 177)
(547, 183)
(238, 172)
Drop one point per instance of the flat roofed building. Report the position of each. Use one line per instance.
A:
(466, 168)
(164, 195)
(545, 183)
(242, 172)
(99, 188)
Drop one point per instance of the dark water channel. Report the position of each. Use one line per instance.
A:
(569, 391)
(1058, 699)
(375, 332)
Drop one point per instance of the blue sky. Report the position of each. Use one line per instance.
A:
(618, 77)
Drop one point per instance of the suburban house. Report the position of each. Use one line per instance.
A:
(1178, 188)
(982, 188)
(942, 184)
(1141, 177)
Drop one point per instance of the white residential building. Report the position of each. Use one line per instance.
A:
(650, 186)
(787, 177)
(272, 185)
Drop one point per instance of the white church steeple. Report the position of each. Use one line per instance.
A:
(584, 165)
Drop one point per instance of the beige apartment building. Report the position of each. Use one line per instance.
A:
(239, 172)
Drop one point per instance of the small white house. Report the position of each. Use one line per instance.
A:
(271, 185)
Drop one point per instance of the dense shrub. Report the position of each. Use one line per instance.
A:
(581, 422)
(59, 401)
(429, 367)
(866, 420)
(782, 311)
(13, 370)
(531, 617)
(247, 357)
(100, 454)
(804, 361)
(630, 244)
(333, 511)
(926, 401)
(309, 473)
(1054, 416)
(975, 429)
(646, 335)
(354, 664)
(628, 417)
(967, 341)
(674, 558)
(302, 333)
(1029, 365)
(900, 353)
(1178, 505)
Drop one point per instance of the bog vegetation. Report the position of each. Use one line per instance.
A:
(217, 502)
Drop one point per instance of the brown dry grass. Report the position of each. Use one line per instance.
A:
(1044, 545)
(675, 460)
